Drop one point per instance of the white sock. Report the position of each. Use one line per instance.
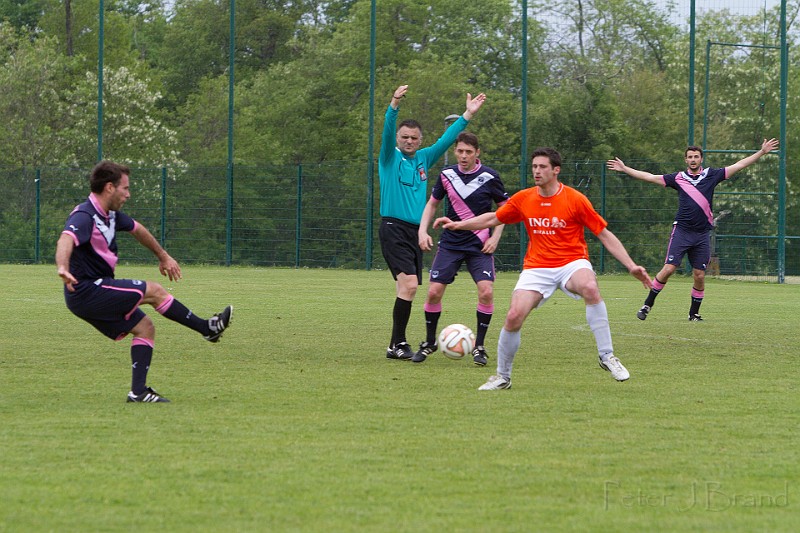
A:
(507, 345)
(597, 317)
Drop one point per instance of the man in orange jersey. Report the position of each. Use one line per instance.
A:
(554, 216)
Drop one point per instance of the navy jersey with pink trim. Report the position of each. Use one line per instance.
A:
(94, 233)
(469, 194)
(695, 197)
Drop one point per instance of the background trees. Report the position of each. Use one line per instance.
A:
(605, 76)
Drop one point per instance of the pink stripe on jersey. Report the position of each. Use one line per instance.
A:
(135, 307)
(165, 304)
(488, 309)
(139, 341)
(697, 196)
(462, 209)
(433, 308)
(100, 246)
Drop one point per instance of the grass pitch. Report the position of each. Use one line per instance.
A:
(296, 421)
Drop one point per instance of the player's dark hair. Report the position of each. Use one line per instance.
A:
(106, 172)
(549, 153)
(411, 123)
(468, 138)
(693, 149)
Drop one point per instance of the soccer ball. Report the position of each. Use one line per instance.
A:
(456, 341)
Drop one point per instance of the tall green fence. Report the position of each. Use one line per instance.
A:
(316, 216)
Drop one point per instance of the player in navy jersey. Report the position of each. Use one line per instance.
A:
(691, 231)
(86, 256)
(470, 188)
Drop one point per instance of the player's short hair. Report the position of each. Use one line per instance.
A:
(468, 138)
(693, 149)
(411, 123)
(550, 153)
(106, 172)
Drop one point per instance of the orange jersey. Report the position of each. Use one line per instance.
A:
(554, 223)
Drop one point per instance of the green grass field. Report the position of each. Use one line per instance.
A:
(296, 421)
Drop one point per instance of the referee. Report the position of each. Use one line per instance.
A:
(403, 170)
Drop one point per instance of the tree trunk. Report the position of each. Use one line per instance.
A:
(68, 16)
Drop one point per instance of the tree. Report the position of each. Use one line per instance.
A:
(32, 78)
(196, 46)
(21, 14)
(133, 127)
(82, 21)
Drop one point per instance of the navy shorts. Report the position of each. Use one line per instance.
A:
(695, 244)
(110, 305)
(400, 247)
(448, 261)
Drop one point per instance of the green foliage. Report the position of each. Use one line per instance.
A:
(601, 74)
(272, 429)
(33, 77)
(21, 14)
(117, 50)
(605, 78)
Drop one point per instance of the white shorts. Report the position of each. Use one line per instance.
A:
(546, 280)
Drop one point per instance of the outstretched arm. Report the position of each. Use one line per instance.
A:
(614, 245)
(486, 220)
(166, 264)
(619, 166)
(766, 147)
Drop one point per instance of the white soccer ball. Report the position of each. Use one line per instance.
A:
(456, 341)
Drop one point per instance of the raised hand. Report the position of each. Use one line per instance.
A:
(474, 104)
(615, 164)
(768, 145)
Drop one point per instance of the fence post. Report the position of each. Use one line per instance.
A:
(36, 256)
(163, 206)
(603, 214)
(298, 216)
(783, 150)
(371, 135)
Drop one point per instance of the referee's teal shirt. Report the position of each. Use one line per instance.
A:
(404, 180)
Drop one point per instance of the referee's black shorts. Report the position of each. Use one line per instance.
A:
(400, 247)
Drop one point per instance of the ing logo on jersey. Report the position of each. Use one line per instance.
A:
(544, 222)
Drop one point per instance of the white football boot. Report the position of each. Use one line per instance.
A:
(613, 365)
(496, 383)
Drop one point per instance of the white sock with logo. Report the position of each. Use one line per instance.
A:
(507, 346)
(597, 317)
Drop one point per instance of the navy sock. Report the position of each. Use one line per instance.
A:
(141, 355)
(484, 319)
(650, 301)
(431, 324)
(177, 312)
(697, 299)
